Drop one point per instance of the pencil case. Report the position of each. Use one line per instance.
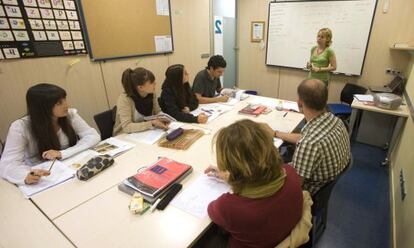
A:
(175, 134)
(94, 166)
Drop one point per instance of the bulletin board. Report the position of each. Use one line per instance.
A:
(40, 28)
(126, 28)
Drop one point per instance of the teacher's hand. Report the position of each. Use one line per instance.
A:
(315, 69)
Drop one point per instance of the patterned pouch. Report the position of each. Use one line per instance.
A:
(94, 166)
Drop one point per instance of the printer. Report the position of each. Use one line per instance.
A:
(387, 101)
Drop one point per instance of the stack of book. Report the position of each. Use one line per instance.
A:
(154, 181)
(253, 110)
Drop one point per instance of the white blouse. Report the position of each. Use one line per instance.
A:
(20, 151)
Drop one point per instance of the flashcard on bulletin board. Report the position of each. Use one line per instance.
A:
(40, 28)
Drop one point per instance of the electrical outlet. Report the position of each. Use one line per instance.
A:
(402, 185)
(392, 71)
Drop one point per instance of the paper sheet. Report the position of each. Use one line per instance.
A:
(272, 103)
(364, 98)
(163, 7)
(292, 106)
(277, 142)
(231, 102)
(148, 137)
(163, 43)
(194, 199)
(59, 174)
(151, 136)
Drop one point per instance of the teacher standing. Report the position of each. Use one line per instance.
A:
(322, 59)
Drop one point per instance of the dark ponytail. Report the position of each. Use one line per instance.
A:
(133, 78)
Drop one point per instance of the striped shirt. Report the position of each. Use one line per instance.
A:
(323, 152)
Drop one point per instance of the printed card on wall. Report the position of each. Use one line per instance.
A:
(163, 43)
(40, 28)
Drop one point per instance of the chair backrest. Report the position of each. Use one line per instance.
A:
(105, 122)
(300, 233)
(347, 93)
(1, 147)
(321, 198)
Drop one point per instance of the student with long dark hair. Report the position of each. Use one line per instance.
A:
(137, 101)
(177, 99)
(50, 131)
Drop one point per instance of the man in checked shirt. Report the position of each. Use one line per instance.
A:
(322, 147)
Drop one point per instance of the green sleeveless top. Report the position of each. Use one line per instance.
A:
(321, 60)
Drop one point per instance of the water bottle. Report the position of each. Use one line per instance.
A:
(279, 105)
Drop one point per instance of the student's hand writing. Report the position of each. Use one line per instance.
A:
(224, 98)
(202, 118)
(159, 123)
(185, 110)
(308, 65)
(52, 154)
(213, 171)
(35, 175)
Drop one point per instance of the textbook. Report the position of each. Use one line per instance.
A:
(112, 147)
(156, 179)
(253, 110)
(160, 116)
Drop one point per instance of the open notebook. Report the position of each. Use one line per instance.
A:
(66, 169)
(212, 110)
(59, 174)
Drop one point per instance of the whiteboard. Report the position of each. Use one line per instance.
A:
(293, 27)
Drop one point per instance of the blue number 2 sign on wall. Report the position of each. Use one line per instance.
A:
(218, 35)
(218, 26)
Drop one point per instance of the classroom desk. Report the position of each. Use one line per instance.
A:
(402, 113)
(22, 224)
(106, 221)
(64, 197)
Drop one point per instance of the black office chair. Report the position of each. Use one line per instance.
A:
(1, 147)
(320, 208)
(105, 122)
(343, 109)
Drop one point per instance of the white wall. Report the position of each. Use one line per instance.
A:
(403, 159)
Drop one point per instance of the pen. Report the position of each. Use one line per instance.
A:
(206, 110)
(285, 115)
(50, 168)
(152, 209)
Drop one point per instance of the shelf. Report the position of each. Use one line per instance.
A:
(409, 49)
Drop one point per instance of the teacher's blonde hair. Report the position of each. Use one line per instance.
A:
(327, 33)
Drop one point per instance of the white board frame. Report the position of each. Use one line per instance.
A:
(354, 72)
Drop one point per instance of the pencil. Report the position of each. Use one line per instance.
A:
(50, 168)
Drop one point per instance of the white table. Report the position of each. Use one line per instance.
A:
(95, 213)
(402, 113)
(22, 224)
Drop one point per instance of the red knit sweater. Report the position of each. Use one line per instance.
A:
(261, 222)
